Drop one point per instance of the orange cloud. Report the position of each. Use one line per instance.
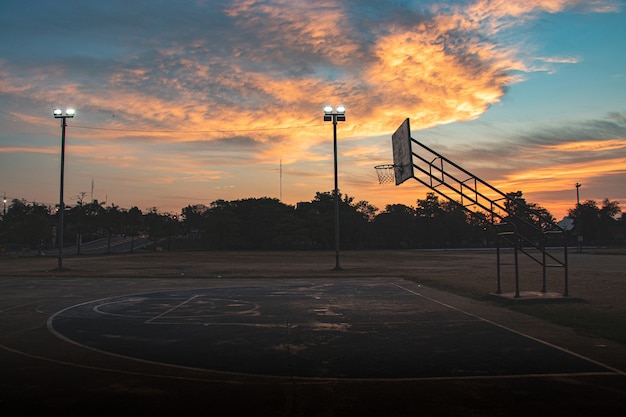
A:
(498, 9)
(496, 15)
(259, 98)
(414, 75)
(408, 72)
(27, 149)
(311, 27)
(545, 183)
(589, 146)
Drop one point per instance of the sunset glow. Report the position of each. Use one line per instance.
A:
(180, 104)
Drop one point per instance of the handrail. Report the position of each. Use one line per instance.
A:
(471, 196)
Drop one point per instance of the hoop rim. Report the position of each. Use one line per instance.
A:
(386, 173)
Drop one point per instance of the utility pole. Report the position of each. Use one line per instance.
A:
(59, 114)
(579, 218)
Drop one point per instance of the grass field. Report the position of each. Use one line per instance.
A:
(596, 276)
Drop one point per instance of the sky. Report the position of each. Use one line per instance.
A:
(190, 101)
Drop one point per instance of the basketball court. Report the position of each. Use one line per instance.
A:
(286, 347)
(310, 330)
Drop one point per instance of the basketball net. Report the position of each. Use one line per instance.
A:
(386, 173)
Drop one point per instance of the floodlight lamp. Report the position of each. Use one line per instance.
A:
(328, 109)
(58, 113)
(341, 109)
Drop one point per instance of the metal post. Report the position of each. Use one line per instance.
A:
(499, 287)
(579, 237)
(544, 287)
(59, 114)
(515, 244)
(334, 115)
(61, 204)
(337, 266)
(566, 289)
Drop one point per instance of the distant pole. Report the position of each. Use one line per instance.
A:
(58, 114)
(334, 115)
(580, 228)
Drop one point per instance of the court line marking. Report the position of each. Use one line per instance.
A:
(544, 342)
(98, 308)
(173, 308)
(282, 324)
(127, 372)
(251, 378)
(258, 378)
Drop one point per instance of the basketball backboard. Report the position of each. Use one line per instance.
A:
(402, 153)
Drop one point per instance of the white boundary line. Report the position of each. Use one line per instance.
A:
(251, 378)
(585, 358)
(259, 378)
(172, 309)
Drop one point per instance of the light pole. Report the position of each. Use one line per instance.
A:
(337, 114)
(579, 216)
(58, 114)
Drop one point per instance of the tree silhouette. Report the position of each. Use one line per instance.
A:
(267, 223)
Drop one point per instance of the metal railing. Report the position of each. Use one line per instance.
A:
(521, 226)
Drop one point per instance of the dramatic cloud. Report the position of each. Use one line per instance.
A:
(201, 92)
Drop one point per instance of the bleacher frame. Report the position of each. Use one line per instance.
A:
(532, 233)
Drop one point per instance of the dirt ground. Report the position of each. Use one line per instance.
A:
(597, 277)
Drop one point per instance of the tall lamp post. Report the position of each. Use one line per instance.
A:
(337, 114)
(59, 114)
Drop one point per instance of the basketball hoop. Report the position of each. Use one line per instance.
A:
(386, 173)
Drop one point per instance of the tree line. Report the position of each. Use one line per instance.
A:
(269, 224)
